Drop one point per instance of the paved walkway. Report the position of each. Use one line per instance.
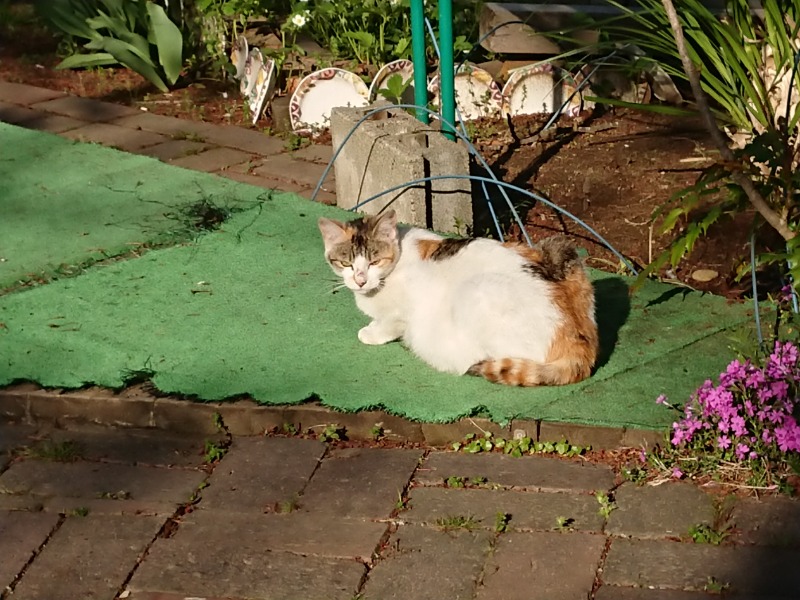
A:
(102, 513)
(139, 514)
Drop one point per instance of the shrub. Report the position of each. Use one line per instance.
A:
(136, 34)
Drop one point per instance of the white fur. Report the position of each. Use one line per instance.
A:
(456, 312)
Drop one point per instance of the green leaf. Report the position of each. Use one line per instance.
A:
(119, 28)
(169, 41)
(61, 14)
(364, 37)
(128, 56)
(80, 61)
(662, 109)
(672, 219)
(401, 47)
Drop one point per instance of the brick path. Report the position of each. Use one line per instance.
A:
(136, 513)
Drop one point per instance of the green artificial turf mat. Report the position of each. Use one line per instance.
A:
(248, 310)
(66, 204)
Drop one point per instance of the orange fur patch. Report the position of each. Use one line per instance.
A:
(575, 344)
(530, 254)
(576, 341)
(426, 248)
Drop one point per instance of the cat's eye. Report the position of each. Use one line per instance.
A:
(342, 264)
(376, 262)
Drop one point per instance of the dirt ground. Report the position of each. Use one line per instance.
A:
(610, 168)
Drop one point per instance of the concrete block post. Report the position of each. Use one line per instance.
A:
(394, 148)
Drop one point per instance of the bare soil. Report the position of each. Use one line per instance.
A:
(611, 169)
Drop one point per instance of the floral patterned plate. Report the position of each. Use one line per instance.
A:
(402, 68)
(239, 55)
(477, 94)
(319, 93)
(543, 88)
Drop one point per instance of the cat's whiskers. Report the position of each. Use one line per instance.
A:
(337, 287)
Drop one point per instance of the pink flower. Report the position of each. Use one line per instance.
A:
(742, 450)
(662, 399)
(677, 473)
(738, 425)
(724, 442)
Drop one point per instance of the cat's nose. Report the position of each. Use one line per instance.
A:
(360, 279)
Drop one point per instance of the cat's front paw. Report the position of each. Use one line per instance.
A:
(373, 336)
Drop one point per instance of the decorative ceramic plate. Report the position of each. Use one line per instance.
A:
(239, 55)
(252, 66)
(319, 93)
(477, 94)
(536, 89)
(398, 73)
(263, 88)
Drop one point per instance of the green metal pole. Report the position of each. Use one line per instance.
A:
(418, 55)
(446, 68)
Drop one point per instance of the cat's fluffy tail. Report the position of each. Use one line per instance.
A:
(528, 373)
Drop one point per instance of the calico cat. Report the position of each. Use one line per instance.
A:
(505, 311)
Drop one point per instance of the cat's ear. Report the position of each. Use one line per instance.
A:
(385, 225)
(333, 232)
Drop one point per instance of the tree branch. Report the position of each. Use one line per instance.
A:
(755, 197)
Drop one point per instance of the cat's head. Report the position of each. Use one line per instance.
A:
(363, 252)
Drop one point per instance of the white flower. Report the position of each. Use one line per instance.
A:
(299, 20)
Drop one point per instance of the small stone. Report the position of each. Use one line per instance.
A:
(704, 275)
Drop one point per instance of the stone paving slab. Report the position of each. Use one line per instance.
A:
(248, 140)
(612, 592)
(39, 120)
(169, 126)
(14, 113)
(528, 510)
(85, 109)
(121, 138)
(542, 566)
(258, 472)
(767, 522)
(668, 510)
(666, 564)
(88, 557)
(316, 153)
(92, 481)
(238, 567)
(24, 95)
(214, 159)
(136, 446)
(273, 184)
(172, 149)
(530, 472)
(298, 532)
(427, 564)
(360, 482)
(21, 534)
(15, 436)
(284, 167)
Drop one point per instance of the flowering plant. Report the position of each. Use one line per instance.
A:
(744, 426)
(371, 31)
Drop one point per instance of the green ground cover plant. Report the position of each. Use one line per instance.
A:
(488, 442)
